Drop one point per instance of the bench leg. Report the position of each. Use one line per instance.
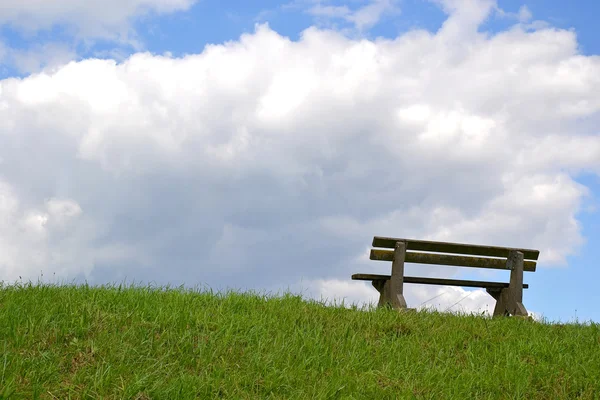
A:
(509, 301)
(379, 284)
(391, 291)
(515, 288)
(500, 309)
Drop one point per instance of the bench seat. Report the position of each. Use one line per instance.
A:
(436, 281)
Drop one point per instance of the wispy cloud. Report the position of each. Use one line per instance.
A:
(523, 15)
(107, 19)
(370, 15)
(38, 57)
(365, 15)
(80, 23)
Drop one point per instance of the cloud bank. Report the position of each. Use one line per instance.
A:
(265, 163)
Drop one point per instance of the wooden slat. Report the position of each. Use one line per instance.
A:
(456, 248)
(448, 259)
(435, 281)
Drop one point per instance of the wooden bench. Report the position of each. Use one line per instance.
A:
(508, 295)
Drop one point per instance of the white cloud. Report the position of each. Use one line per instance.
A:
(50, 238)
(39, 57)
(335, 291)
(263, 162)
(90, 18)
(362, 18)
(370, 14)
(464, 16)
(319, 10)
(452, 299)
(74, 25)
(524, 15)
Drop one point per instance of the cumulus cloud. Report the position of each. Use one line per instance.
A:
(51, 239)
(264, 162)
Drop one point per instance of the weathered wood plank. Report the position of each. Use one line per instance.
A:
(393, 293)
(456, 248)
(448, 259)
(436, 281)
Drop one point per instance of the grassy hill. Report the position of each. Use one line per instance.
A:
(151, 343)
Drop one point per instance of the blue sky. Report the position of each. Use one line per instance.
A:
(200, 128)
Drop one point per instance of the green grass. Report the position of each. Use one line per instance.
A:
(151, 343)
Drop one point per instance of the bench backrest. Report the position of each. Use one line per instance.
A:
(470, 255)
